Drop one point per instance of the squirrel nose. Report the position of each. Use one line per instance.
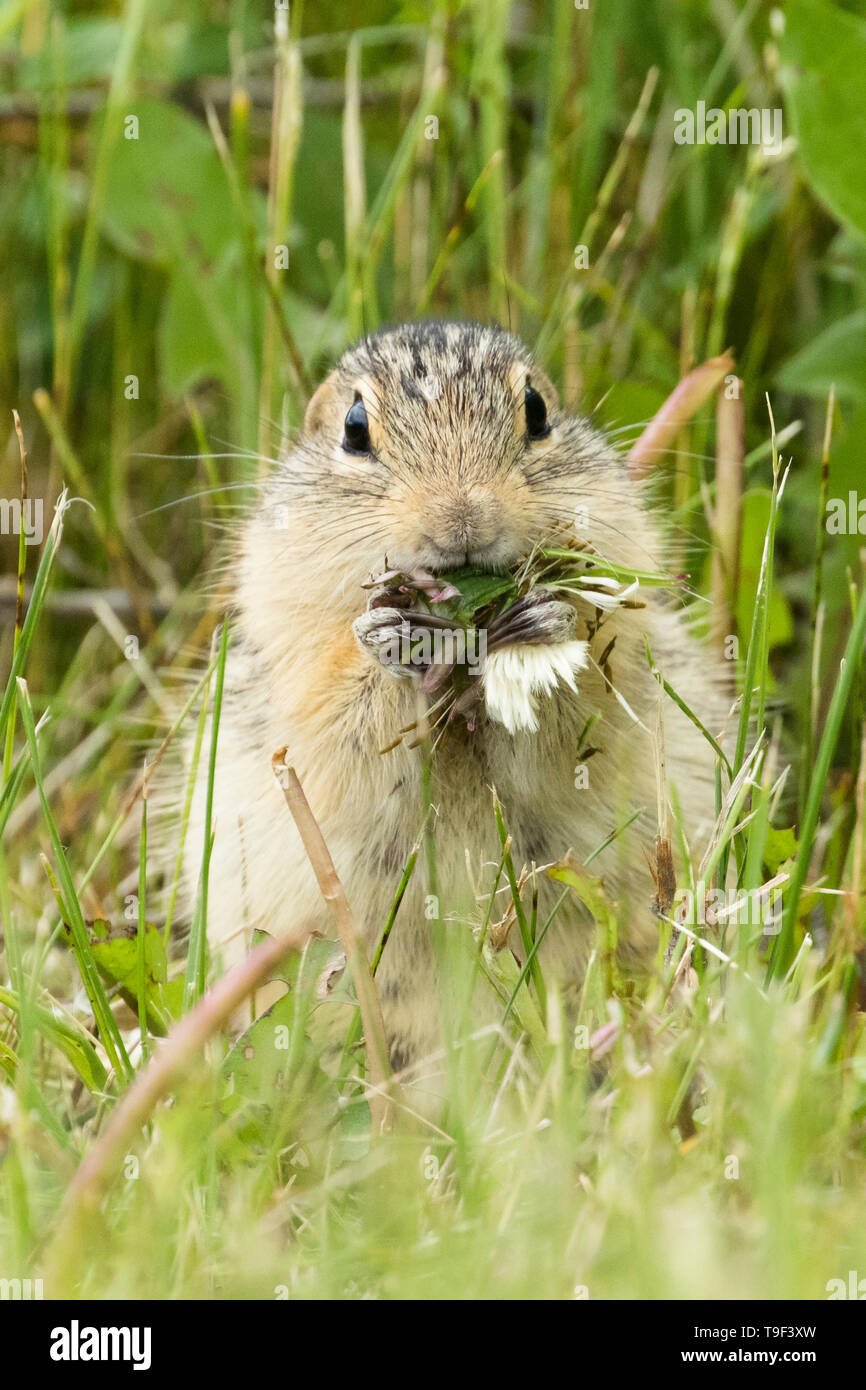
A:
(465, 523)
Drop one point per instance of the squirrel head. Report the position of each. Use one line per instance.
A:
(434, 445)
(443, 430)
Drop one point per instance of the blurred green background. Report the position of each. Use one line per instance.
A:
(158, 257)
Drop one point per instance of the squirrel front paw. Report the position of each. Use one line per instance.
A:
(538, 618)
(386, 635)
(413, 644)
(532, 649)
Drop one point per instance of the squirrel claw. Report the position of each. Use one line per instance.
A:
(385, 634)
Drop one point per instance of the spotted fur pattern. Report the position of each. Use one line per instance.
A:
(452, 476)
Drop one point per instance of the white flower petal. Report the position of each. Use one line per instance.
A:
(608, 602)
(598, 579)
(514, 676)
(508, 700)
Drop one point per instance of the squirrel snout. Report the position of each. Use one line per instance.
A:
(463, 526)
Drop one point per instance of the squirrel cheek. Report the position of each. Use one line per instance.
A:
(346, 465)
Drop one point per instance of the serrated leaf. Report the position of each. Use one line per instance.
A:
(589, 567)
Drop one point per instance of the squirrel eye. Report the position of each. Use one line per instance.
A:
(536, 413)
(356, 438)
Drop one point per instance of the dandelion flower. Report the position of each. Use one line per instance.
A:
(515, 676)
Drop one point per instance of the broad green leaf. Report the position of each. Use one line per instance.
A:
(302, 970)
(847, 452)
(823, 53)
(780, 845)
(167, 195)
(115, 951)
(837, 357)
(276, 1054)
(353, 1127)
(276, 1084)
(260, 1060)
(86, 51)
(197, 337)
(477, 589)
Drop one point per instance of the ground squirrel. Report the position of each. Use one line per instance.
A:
(434, 445)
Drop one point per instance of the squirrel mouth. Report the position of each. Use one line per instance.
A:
(488, 557)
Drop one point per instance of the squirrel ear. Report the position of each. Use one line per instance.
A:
(329, 403)
(321, 401)
(541, 381)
